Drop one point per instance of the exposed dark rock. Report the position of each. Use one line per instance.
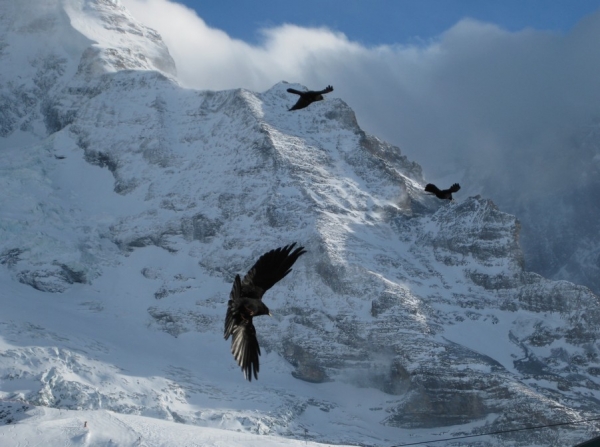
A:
(10, 257)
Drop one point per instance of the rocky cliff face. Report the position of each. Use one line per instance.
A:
(131, 203)
(554, 246)
(559, 213)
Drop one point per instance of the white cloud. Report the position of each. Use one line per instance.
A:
(208, 58)
(478, 102)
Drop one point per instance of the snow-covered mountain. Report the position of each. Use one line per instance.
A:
(130, 203)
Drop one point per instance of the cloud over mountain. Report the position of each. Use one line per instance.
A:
(510, 115)
(477, 95)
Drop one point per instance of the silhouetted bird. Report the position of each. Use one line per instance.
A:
(307, 98)
(245, 302)
(442, 193)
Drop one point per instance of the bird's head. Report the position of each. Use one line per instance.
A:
(262, 309)
(253, 308)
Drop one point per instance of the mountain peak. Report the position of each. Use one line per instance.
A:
(47, 45)
(100, 32)
(121, 43)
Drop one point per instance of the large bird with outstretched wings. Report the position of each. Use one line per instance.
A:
(245, 303)
(307, 98)
(442, 193)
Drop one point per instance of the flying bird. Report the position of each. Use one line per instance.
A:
(442, 193)
(307, 98)
(245, 302)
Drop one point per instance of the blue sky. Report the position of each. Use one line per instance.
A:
(375, 22)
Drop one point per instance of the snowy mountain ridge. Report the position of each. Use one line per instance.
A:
(131, 203)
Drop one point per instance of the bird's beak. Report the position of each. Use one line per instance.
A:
(270, 314)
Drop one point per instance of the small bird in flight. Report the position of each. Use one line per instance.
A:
(307, 98)
(245, 302)
(442, 193)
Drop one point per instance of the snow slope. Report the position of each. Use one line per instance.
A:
(107, 429)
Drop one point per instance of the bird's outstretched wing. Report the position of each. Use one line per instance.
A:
(270, 268)
(245, 349)
(454, 188)
(244, 346)
(233, 317)
(328, 89)
(294, 91)
(430, 187)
